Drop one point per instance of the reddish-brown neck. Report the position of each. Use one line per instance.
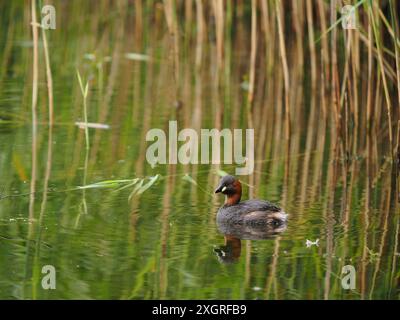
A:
(234, 198)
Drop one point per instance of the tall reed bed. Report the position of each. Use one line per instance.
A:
(350, 60)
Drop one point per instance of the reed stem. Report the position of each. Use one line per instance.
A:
(35, 73)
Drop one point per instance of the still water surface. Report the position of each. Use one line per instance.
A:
(165, 244)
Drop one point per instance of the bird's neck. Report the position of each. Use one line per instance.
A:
(232, 199)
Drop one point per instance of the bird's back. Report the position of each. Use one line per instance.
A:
(252, 212)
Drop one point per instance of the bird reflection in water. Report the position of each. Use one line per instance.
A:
(233, 234)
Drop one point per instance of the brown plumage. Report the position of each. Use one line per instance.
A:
(246, 212)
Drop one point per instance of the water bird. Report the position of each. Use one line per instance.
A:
(249, 212)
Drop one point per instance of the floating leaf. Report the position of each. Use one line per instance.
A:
(134, 181)
(310, 243)
(222, 173)
(83, 125)
(141, 187)
(105, 184)
(90, 56)
(245, 85)
(148, 184)
(188, 178)
(137, 56)
(134, 191)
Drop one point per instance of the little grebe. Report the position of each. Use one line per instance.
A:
(230, 252)
(246, 212)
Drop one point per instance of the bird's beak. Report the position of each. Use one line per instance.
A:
(220, 188)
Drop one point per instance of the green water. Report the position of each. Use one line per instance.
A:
(164, 243)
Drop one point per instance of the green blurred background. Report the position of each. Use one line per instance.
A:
(323, 149)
